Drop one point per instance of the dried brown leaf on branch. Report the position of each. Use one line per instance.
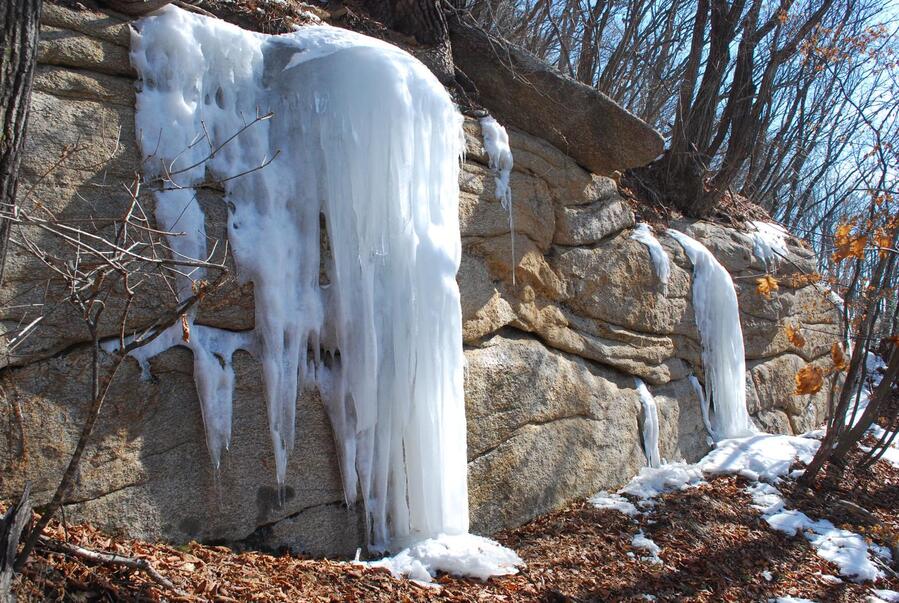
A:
(199, 288)
(848, 244)
(883, 239)
(809, 380)
(802, 279)
(840, 362)
(766, 285)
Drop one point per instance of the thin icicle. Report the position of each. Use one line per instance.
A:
(496, 142)
(723, 357)
(650, 424)
(644, 234)
(703, 407)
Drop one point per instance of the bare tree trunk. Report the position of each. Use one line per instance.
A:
(425, 21)
(18, 51)
(421, 19)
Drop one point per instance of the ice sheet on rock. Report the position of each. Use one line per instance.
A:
(650, 424)
(660, 263)
(383, 338)
(606, 500)
(791, 599)
(847, 550)
(723, 357)
(765, 457)
(460, 555)
(499, 154)
(769, 242)
(890, 596)
(496, 143)
(640, 541)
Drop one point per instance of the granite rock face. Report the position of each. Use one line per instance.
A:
(553, 413)
(522, 91)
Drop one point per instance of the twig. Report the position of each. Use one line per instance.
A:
(136, 563)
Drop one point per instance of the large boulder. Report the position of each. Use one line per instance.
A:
(522, 91)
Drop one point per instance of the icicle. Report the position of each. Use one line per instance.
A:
(643, 233)
(650, 424)
(703, 407)
(382, 168)
(496, 142)
(718, 320)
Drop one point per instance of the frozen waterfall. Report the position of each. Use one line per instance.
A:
(375, 324)
(723, 357)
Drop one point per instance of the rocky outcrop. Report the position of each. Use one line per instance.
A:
(553, 414)
(524, 92)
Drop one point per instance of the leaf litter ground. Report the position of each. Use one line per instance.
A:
(714, 547)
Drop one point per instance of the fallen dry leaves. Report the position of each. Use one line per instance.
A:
(715, 547)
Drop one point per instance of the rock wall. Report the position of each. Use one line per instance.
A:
(553, 414)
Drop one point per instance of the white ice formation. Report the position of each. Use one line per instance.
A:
(499, 154)
(643, 233)
(723, 357)
(616, 502)
(769, 242)
(460, 554)
(376, 323)
(764, 460)
(847, 550)
(650, 424)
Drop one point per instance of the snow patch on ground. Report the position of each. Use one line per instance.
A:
(640, 541)
(616, 502)
(652, 481)
(847, 550)
(457, 554)
(764, 460)
(890, 596)
(761, 457)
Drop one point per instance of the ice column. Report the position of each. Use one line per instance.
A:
(723, 358)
